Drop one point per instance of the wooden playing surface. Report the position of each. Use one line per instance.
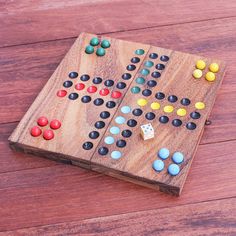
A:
(78, 118)
(39, 195)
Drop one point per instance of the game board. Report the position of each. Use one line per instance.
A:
(91, 110)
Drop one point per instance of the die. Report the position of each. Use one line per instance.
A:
(147, 131)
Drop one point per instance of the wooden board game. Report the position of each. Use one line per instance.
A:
(129, 110)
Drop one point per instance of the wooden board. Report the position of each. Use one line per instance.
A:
(78, 118)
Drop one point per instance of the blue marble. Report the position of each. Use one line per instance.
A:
(178, 157)
(173, 169)
(144, 71)
(139, 52)
(114, 130)
(164, 153)
(116, 155)
(158, 165)
(109, 140)
(120, 120)
(148, 63)
(125, 109)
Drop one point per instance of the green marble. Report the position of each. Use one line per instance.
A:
(94, 41)
(140, 80)
(135, 89)
(100, 52)
(144, 71)
(89, 49)
(148, 64)
(105, 44)
(139, 52)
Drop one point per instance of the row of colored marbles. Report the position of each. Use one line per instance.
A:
(115, 130)
(79, 86)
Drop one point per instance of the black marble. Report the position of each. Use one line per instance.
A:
(150, 116)
(131, 67)
(156, 74)
(195, 115)
(151, 83)
(163, 119)
(185, 101)
(135, 60)
(160, 66)
(176, 122)
(97, 80)
(137, 112)
(87, 145)
(109, 83)
(146, 92)
(153, 55)
(110, 104)
(121, 143)
(131, 123)
(67, 84)
(93, 134)
(103, 151)
(105, 114)
(84, 77)
(126, 133)
(73, 75)
(98, 101)
(121, 85)
(191, 126)
(160, 95)
(172, 98)
(99, 124)
(126, 76)
(73, 96)
(164, 58)
(86, 99)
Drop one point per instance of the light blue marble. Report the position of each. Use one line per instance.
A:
(120, 120)
(158, 165)
(116, 155)
(178, 157)
(114, 130)
(173, 169)
(109, 140)
(125, 109)
(164, 153)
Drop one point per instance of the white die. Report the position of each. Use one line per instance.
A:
(147, 131)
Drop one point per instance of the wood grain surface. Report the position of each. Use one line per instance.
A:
(42, 197)
(208, 218)
(99, 16)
